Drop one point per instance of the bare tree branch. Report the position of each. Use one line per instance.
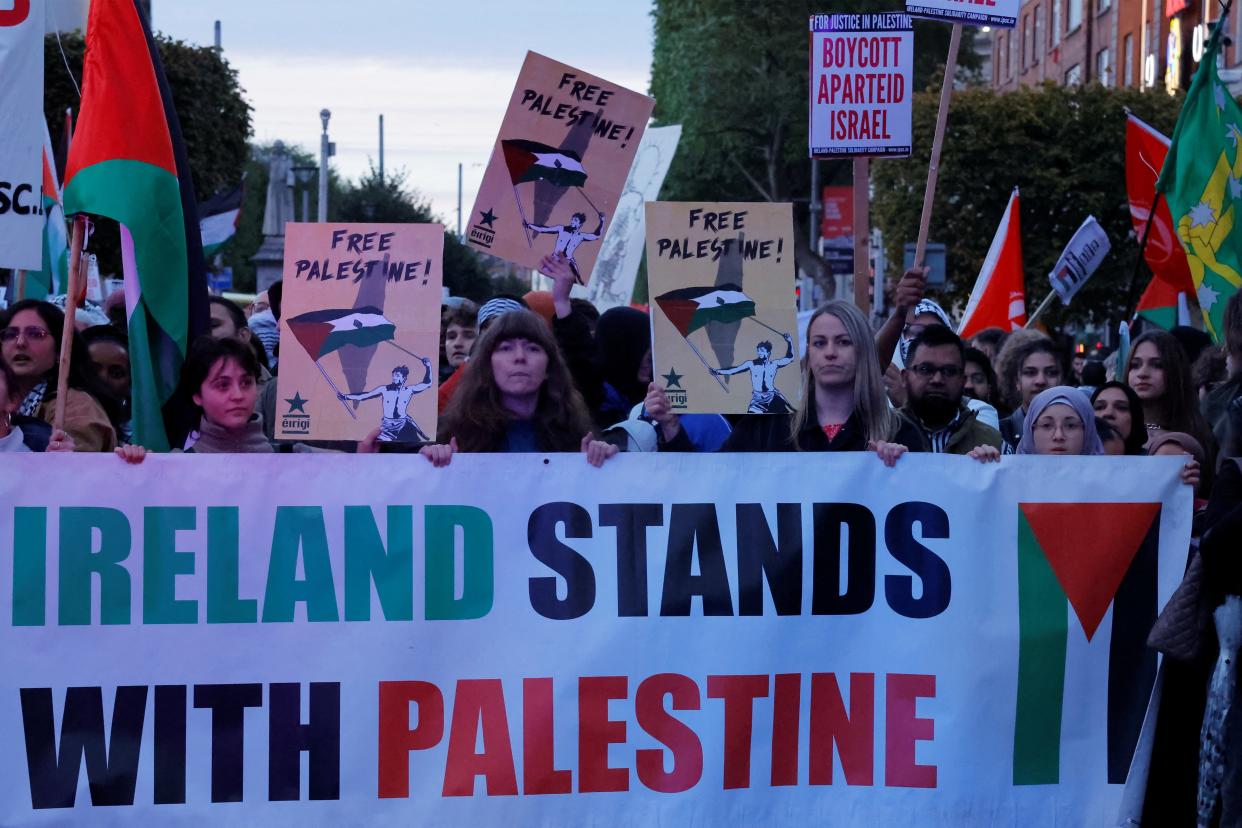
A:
(750, 178)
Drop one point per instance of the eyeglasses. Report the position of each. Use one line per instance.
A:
(33, 333)
(977, 378)
(1067, 427)
(926, 369)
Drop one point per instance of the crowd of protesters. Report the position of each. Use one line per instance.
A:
(546, 373)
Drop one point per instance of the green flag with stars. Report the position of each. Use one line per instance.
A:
(1202, 182)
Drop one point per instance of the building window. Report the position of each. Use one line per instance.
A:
(1039, 34)
(1026, 41)
(1128, 53)
(1056, 22)
(1013, 56)
(1103, 69)
(1073, 75)
(1074, 18)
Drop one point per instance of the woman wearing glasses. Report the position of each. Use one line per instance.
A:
(30, 335)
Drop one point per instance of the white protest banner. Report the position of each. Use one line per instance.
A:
(21, 136)
(1079, 259)
(1002, 13)
(862, 69)
(612, 284)
(292, 640)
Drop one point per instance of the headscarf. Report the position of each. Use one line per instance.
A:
(924, 306)
(264, 325)
(623, 336)
(495, 307)
(1179, 438)
(1065, 395)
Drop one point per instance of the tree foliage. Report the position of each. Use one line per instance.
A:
(734, 74)
(214, 117)
(1064, 147)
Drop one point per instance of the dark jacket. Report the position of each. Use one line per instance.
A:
(1011, 430)
(770, 432)
(968, 432)
(1215, 408)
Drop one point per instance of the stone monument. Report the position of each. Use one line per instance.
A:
(270, 259)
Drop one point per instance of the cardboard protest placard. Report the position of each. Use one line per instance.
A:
(21, 138)
(722, 311)
(1080, 258)
(1002, 13)
(612, 284)
(558, 166)
(360, 332)
(862, 70)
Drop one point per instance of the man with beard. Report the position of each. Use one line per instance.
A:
(934, 378)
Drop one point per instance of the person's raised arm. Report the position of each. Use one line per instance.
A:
(788, 357)
(539, 228)
(907, 294)
(426, 383)
(598, 230)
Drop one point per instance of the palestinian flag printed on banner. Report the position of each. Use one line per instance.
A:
(218, 217)
(1058, 584)
(128, 163)
(533, 161)
(323, 331)
(692, 308)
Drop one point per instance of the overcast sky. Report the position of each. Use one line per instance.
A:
(441, 72)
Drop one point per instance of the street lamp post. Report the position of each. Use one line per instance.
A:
(326, 150)
(303, 175)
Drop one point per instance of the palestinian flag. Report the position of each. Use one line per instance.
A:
(532, 161)
(128, 163)
(54, 275)
(323, 331)
(691, 308)
(218, 217)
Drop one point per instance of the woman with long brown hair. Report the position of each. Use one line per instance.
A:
(1160, 374)
(518, 396)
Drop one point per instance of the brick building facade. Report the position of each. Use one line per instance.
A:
(1152, 44)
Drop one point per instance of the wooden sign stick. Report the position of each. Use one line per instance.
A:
(862, 233)
(71, 307)
(933, 169)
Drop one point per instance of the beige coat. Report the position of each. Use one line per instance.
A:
(85, 421)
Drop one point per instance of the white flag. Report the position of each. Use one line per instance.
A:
(1079, 259)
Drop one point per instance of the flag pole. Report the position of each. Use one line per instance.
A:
(706, 365)
(933, 167)
(766, 325)
(1138, 264)
(862, 233)
(522, 213)
(19, 285)
(67, 332)
(336, 390)
(1043, 306)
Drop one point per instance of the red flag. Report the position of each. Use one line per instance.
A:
(1145, 152)
(999, 297)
